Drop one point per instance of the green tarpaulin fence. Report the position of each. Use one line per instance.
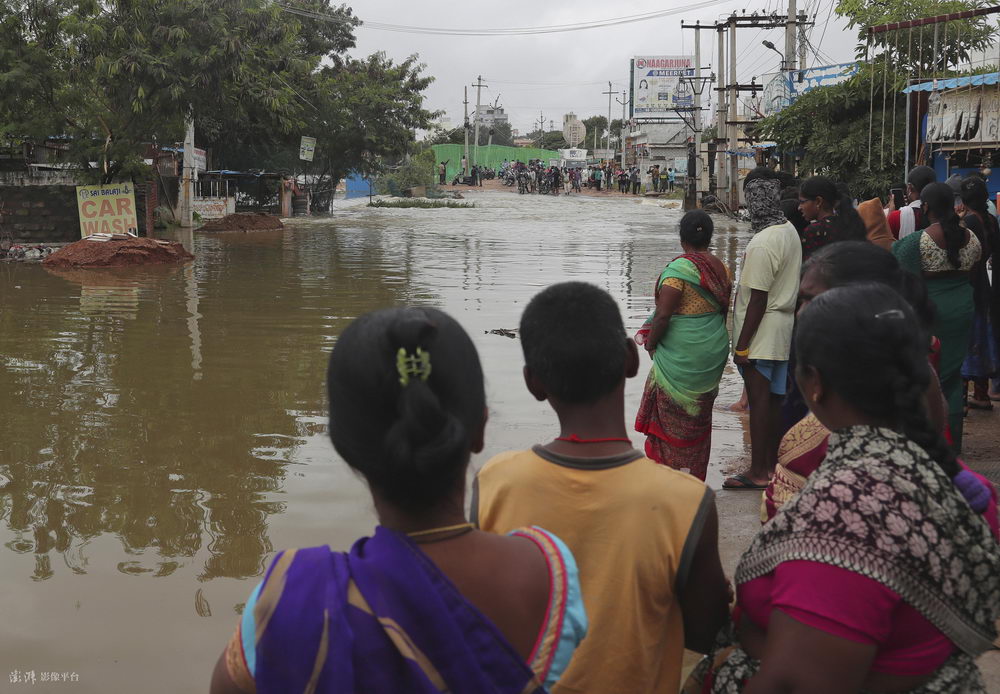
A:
(492, 156)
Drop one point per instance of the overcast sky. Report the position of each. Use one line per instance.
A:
(561, 72)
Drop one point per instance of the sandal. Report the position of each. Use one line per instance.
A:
(742, 482)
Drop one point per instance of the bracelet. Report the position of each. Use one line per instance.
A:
(742, 352)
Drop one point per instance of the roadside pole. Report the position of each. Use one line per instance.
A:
(698, 86)
(721, 109)
(621, 133)
(479, 92)
(607, 138)
(187, 177)
(465, 127)
(734, 160)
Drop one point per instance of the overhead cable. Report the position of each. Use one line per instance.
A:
(516, 31)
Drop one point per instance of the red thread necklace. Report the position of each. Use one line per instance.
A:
(573, 438)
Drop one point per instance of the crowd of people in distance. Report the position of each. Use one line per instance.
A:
(585, 565)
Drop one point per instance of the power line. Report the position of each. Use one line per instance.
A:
(518, 31)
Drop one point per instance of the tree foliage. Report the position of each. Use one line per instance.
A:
(855, 131)
(117, 75)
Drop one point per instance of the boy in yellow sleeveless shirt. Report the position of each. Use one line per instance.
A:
(645, 537)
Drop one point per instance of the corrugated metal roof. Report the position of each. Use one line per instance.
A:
(954, 83)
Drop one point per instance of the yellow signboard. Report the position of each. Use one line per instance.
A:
(106, 209)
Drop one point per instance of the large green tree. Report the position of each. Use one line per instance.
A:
(855, 131)
(116, 75)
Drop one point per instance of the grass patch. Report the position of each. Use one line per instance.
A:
(406, 203)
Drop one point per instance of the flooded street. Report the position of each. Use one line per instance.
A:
(163, 430)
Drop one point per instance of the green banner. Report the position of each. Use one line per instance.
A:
(492, 156)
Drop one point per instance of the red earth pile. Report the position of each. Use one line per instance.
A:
(118, 253)
(242, 221)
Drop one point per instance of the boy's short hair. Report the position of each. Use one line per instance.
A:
(574, 341)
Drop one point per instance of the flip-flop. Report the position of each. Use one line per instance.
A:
(744, 483)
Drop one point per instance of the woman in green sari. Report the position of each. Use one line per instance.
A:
(944, 254)
(689, 344)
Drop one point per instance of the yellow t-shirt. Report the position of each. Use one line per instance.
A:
(633, 527)
(771, 263)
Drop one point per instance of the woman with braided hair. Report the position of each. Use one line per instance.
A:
(945, 253)
(878, 577)
(429, 603)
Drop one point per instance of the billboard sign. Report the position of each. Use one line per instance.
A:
(659, 85)
(782, 88)
(106, 209)
(307, 148)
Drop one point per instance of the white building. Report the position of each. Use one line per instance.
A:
(656, 143)
(491, 116)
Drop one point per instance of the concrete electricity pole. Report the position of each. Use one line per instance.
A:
(791, 28)
(187, 179)
(479, 90)
(607, 138)
(734, 144)
(621, 134)
(465, 102)
(721, 112)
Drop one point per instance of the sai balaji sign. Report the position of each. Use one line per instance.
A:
(106, 209)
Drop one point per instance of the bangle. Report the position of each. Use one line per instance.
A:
(742, 352)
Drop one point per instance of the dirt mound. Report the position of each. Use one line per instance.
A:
(118, 253)
(243, 221)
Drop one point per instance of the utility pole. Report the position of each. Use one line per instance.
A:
(721, 112)
(607, 138)
(621, 134)
(465, 169)
(187, 180)
(791, 25)
(479, 90)
(734, 160)
(699, 175)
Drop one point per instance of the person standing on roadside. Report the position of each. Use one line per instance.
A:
(763, 320)
(654, 175)
(443, 171)
(634, 179)
(598, 175)
(904, 222)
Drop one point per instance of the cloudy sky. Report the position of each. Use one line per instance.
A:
(560, 72)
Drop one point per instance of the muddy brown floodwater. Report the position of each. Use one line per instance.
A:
(163, 429)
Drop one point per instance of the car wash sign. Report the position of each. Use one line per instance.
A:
(106, 209)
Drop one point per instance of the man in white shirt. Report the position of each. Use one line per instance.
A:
(763, 321)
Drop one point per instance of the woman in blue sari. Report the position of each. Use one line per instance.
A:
(429, 603)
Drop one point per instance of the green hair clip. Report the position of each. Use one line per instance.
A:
(418, 364)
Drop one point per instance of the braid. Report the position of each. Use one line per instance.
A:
(909, 388)
(954, 236)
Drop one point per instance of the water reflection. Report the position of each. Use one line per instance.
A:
(164, 429)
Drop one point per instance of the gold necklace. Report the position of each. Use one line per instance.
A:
(463, 527)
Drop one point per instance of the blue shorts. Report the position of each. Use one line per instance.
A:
(774, 371)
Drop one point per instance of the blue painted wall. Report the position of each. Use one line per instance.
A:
(357, 186)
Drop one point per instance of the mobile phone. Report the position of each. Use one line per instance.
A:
(897, 196)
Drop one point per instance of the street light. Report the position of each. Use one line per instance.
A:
(768, 44)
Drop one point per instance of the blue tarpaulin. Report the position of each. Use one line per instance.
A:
(937, 85)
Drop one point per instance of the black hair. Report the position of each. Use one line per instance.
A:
(411, 442)
(920, 177)
(868, 348)
(975, 194)
(696, 228)
(939, 199)
(760, 172)
(574, 341)
(855, 262)
(790, 208)
(847, 223)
